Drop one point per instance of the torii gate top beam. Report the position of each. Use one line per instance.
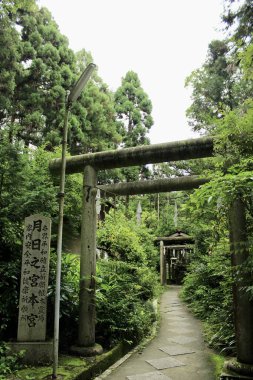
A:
(140, 155)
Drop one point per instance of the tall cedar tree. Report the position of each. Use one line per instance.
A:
(133, 108)
(38, 68)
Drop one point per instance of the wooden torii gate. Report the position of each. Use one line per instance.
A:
(89, 164)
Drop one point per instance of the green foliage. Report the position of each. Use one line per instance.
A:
(37, 69)
(208, 290)
(13, 166)
(26, 188)
(239, 20)
(133, 113)
(124, 295)
(69, 298)
(123, 300)
(128, 283)
(9, 290)
(224, 82)
(119, 236)
(133, 110)
(218, 361)
(212, 87)
(234, 141)
(9, 362)
(93, 118)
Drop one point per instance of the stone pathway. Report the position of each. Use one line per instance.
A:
(176, 353)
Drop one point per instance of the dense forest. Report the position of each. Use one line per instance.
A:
(37, 69)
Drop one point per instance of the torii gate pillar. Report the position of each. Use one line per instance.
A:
(243, 305)
(87, 310)
(162, 264)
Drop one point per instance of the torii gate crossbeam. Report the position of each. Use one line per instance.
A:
(154, 186)
(140, 155)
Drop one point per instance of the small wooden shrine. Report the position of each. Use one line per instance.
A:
(175, 253)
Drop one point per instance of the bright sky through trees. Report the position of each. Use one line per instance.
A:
(161, 40)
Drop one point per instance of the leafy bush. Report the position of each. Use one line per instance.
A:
(124, 297)
(8, 362)
(208, 291)
(119, 236)
(9, 290)
(69, 298)
(124, 301)
(127, 283)
(128, 241)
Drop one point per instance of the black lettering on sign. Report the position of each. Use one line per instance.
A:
(29, 227)
(43, 269)
(44, 244)
(28, 236)
(43, 260)
(36, 244)
(25, 290)
(26, 280)
(26, 262)
(37, 225)
(33, 299)
(27, 254)
(34, 262)
(28, 244)
(24, 309)
(25, 299)
(34, 280)
(41, 318)
(42, 293)
(31, 320)
(42, 309)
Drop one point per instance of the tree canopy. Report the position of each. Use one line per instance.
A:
(37, 69)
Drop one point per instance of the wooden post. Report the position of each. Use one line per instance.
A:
(243, 306)
(169, 264)
(162, 264)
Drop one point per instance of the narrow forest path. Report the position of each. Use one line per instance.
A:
(177, 352)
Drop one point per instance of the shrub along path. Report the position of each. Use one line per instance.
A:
(177, 352)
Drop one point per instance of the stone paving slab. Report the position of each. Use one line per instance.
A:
(170, 317)
(176, 350)
(182, 330)
(149, 376)
(174, 311)
(193, 366)
(179, 316)
(180, 324)
(181, 339)
(165, 363)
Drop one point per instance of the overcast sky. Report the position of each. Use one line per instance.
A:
(161, 40)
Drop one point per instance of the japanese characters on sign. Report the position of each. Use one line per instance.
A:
(34, 279)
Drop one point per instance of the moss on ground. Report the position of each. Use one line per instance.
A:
(69, 368)
(218, 362)
(73, 367)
